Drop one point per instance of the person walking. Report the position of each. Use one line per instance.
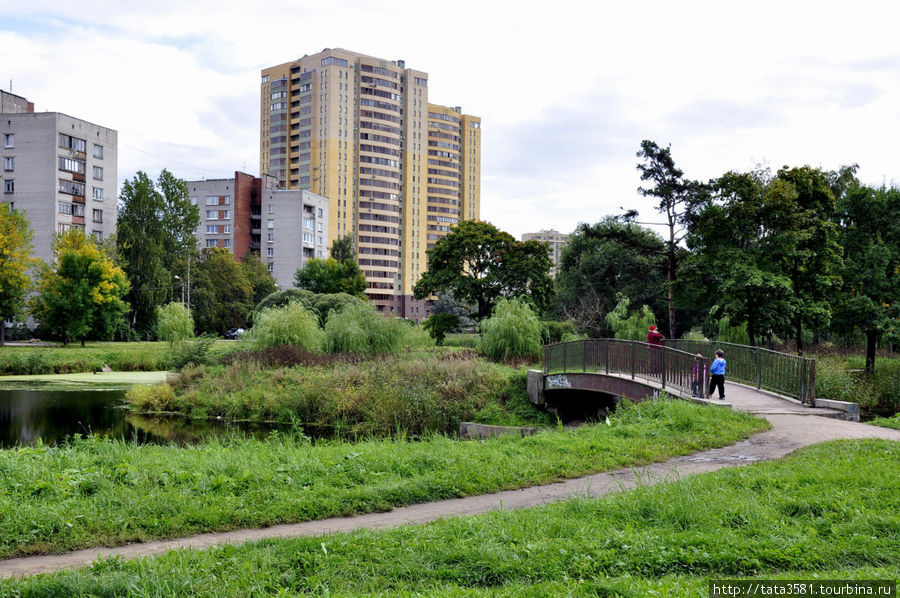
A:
(654, 340)
(717, 371)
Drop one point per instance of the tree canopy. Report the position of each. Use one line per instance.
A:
(15, 262)
(81, 294)
(479, 264)
(155, 241)
(221, 296)
(331, 276)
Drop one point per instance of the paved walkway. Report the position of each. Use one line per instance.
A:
(793, 427)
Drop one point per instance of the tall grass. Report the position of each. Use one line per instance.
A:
(843, 379)
(823, 513)
(94, 492)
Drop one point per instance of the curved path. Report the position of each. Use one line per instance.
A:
(793, 427)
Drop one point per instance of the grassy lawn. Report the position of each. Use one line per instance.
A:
(826, 512)
(887, 422)
(101, 492)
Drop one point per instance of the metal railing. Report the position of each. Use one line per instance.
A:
(785, 374)
(669, 367)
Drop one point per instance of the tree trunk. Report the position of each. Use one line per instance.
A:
(871, 340)
(799, 337)
(82, 342)
(2, 331)
(670, 276)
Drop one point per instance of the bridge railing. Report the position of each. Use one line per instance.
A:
(670, 367)
(785, 374)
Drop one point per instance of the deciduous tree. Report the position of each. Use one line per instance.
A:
(331, 276)
(81, 294)
(15, 262)
(222, 297)
(479, 264)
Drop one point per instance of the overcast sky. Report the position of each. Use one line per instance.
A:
(566, 90)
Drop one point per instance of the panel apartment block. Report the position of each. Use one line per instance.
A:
(555, 239)
(60, 170)
(356, 129)
(284, 227)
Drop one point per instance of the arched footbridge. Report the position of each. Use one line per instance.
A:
(637, 370)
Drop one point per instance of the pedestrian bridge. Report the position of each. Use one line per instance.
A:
(637, 370)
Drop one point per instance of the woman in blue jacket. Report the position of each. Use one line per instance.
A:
(717, 371)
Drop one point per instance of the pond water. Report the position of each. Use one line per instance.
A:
(52, 415)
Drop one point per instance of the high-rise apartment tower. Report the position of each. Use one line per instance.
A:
(398, 171)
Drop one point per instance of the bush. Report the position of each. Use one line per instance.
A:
(633, 327)
(195, 352)
(732, 334)
(438, 325)
(282, 298)
(158, 397)
(512, 331)
(358, 328)
(554, 331)
(174, 322)
(291, 324)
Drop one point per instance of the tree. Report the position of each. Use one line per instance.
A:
(342, 249)
(155, 240)
(604, 259)
(633, 327)
(676, 197)
(261, 282)
(222, 297)
(331, 276)
(479, 264)
(15, 262)
(82, 293)
(438, 325)
(870, 235)
(174, 322)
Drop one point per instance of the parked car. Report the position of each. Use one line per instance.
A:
(234, 333)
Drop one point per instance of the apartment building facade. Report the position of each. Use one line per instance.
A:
(285, 227)
(60, 170)
(397, 170)
(555, 239)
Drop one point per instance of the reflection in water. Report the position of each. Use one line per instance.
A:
(51, 416)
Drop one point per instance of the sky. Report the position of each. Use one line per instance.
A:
(566, 90)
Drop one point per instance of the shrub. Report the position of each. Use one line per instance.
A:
(438, 325)
(633, 327)
(174, 322)
(326, 303)
(732, 334)
(156, 397)
(553, 331)
(282, 298)
(512, 331)
(195, 352)
(291, 324)
(358, 328)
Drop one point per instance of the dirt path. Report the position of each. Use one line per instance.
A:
(793, 427)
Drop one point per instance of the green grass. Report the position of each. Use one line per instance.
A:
(887, 422)
(826, 512)
(100, 492)
(426, 390)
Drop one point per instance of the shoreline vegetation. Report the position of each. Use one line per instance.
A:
(93, 492)
(824, 512)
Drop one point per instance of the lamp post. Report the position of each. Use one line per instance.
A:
(178, 278)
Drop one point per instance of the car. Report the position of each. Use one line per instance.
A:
(234, 333)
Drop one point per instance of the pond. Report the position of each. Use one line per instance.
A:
(29, 415)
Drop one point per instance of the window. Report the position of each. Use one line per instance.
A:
(226, 229)
(9, 186)
(227, 200)
(212, 229)
(320, 240)
(78, 210)
(320, 227)
(308, 224)
(270, 252)
(98, 173)
(212, 214)
(71, 187)
(70, 165)
(9, 163)
(227, 242)
(98, 234)
(320, 212)
(212, 200)
(226, 214)
(271, 266)
(9, 140)
(334, 60)
(72, 143)
(98, 193)
(211, 243)
(309, 238)
(193, 201)
(97, 216)
(271, 209)
(65, 208)
(270, 238)
(270, 224)
(98, 151)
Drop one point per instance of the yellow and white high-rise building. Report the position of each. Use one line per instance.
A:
(398, 171)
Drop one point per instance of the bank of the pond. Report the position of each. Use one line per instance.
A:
(411, 393)
(826, 512)
(95, 492)
(83, 380)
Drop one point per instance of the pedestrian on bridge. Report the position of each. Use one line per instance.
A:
(717, 379)
(654, 340)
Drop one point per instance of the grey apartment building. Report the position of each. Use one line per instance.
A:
(246, 214)
(60, 170)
